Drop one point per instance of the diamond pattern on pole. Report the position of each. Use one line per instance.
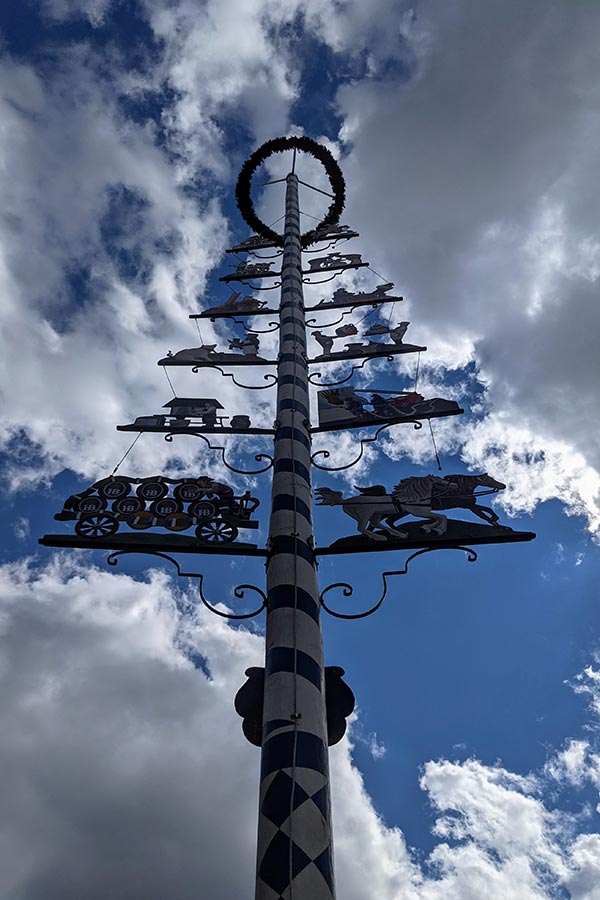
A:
(311, 863)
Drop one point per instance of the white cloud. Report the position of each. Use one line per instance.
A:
(80, 365)
(22, 528)
(485, 219)
(473, 183)
(112, 739)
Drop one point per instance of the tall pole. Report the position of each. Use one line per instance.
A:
(295, 849)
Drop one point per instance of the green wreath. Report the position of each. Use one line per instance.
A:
(278, 145)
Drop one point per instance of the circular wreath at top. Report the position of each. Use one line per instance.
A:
(279, 145)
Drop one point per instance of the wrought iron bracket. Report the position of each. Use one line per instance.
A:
(258, 456)
(246, 387)
(348, 590)
(268, 330)
(238, 591)
(324, 280)
(368, 440)
(330, 245)
(253, 287)
(309, 322)
(353, 369)
(258, 256)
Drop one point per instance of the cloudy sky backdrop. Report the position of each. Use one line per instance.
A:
(468, 134)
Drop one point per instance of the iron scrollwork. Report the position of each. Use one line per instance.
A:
(353, 369)
(324, 280)
(368, 440)
(309, 322)
(272, 379)
(273, 326)
(348, 590)
(256, 287)
(238, 591)
(259, 457)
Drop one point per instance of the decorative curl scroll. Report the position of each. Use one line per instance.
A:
(313, 323)
(273, 326)
(258, 457)
(324, 280)
(348, 590)
(238, 591)
(353, 369)
(326, 454)
(272, 379)
(329, 246)
(260, 256)
(256, 287)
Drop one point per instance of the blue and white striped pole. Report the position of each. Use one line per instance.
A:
(295, 848)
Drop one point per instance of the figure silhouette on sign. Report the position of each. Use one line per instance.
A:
(373, 508)
(335, 261)
(329, 232)
(248, 345)
(190, 412)
(346, 330)
(235, 305)
(206, 354)
(252, 270)
(325, 340)
(347, 407)
(356, 349)
(344, 297)
(160, 502)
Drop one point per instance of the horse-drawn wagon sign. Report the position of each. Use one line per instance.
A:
(348, 408)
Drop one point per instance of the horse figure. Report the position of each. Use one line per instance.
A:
(464, 495)
(374, 508)
(459, 493)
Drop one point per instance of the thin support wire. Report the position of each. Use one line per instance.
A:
(273, 181)
(417, 372)
(164, 368)
(313, 188)
(439, 465)
(316, 218)
(125, 455)
(386, 280)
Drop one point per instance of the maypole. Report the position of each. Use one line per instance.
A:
(294, 708)
(294, 829)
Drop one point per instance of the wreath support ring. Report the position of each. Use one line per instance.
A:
(279, 145)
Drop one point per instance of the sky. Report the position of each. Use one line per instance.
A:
(468, 136)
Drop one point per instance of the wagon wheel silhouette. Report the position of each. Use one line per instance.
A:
(216, 532)
(101, 525)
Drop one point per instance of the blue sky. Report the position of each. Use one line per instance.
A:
(468, 137)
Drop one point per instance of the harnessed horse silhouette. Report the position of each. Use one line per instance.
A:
(422, 497)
